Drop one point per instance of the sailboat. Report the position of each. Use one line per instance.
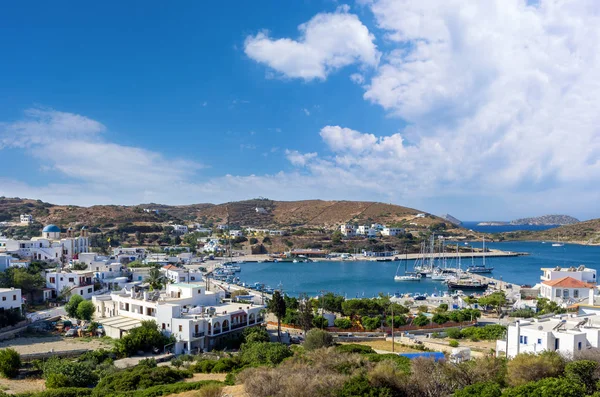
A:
(407, 276)
(480, 269)
(558, 243)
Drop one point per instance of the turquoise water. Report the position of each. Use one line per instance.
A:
(365, 278)
(504, 228)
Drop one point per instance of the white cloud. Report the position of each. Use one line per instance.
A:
(328, 41)
(299, 159)
(357, 78)
(306, 111)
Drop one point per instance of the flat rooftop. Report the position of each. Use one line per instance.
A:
(570, 323)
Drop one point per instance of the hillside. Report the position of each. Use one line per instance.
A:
(587, 232)
(270, 214)
(546, 220)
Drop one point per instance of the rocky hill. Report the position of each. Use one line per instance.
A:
(546, 220)
(587, 232)
(451, 219)
(250, 213)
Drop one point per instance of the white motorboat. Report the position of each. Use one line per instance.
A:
(408, 276)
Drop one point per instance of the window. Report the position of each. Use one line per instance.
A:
(52, 280)
(578, 345)
(163, 326)
(71, 279)
(576, 293)
(14, 297)
(556, 344)
(539, 341)
(525, 340)
(521, 339)
(558, 293)
(89, 290)
(80, 292)
(565, 293)
(3, 298)
(180, 328)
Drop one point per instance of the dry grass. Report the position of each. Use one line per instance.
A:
(14, 386)
(385, 346)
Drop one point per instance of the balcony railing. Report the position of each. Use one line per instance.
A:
(197, 334)
(225, 329)
(238, 325)
(252, 321)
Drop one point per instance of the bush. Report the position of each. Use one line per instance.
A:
(548, 387)
(140, 377)
(370, 323)
(10, 362)
(146, 337)
(489, 332)
(402, 363)
(316, 338)
(72, 304)
(355, 348)
(485, 389)
(584, 372)
(360, 386)
(529, 367)
(180, 387)
(264, 353)
(255, 334)
(440, 318)
(203, 366)
(320, 322)
(66, 392)
(65, 373)
(343, 323)
(224, 365)
(85, 310)
(421, 320)
(453, 333)
(453, 343)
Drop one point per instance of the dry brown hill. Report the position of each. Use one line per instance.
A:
(271, 214)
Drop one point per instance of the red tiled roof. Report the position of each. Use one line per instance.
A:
(567, 282)
(170, 267)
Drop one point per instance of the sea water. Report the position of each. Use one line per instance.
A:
(368, 278)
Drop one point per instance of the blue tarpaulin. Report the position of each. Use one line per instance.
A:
(435, 355)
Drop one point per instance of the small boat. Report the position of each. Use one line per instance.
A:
(479, 269)
(558, 243)
(408, 276)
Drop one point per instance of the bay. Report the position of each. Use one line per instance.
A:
(367, 278)
(473, 225)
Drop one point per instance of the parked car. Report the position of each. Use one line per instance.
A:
(71, 333)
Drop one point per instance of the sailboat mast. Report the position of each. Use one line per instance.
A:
(484, 251)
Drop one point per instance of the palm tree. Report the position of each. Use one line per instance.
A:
(155, 279)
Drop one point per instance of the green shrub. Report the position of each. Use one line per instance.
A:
(343, 323)
(320, 322)
(66, 373)
(264, 353)
(146, 337)
(370, 323)
(148, 362)
(421, 320)
(548, 387)
(360, 386)
(139, 377)
(401, 362)
(10, 362)
(255, 334)
(529, 367)
(66, 392)
(355, 348)
(203, 366)
(453, 333)
(440, 318)
(224, 365)
(72, 304)
(584, 372)
(230, 379)
(489, 332)
(453, 343)
(165, 390)
(316, 338)
(485, 389)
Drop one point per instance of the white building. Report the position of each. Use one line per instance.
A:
(180, 275)
(565, 290)
(180, 229)
(50, 246)
(10, 298)
(5, 261)
(377, 226)
(236, 233)
(75, 282)
(392, 231)
(366, 231)
(421, 215)
(563, 334)
(191, 314)
(260, 210)
(223, 226)
(276, 232)
(26, 219)
(348, 230)
(580, 273)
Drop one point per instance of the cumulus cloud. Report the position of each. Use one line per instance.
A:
(299, 159)
(327, 42)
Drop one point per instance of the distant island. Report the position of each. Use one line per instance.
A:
(492, 223)
(546, 220)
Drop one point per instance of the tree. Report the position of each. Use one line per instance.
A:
(548, 387)
(320, 322)
(584, 372)
(370, 323)
(85, 310)
(10, 362)
(497, 300)
(255, 335)
(343, 323)
(305, 312)
(483, 389)
(336, 237)
(73, 304)
(155, 279)
(421, 320)
(276, 305)
(316, 338)
(146, 337)
(28, 283)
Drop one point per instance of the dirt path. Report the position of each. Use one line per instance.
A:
(29, 345)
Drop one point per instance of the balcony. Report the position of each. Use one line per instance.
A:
(238, 325)
(197, 334)
(225, 329)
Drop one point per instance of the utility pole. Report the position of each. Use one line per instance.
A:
(393, 342)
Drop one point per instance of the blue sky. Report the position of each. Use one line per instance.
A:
(377, 100)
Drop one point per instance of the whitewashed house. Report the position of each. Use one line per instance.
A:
(10, 298)
(367, 231)
(180, 229)
(392, 231)
(180, 275)
(236, 233)
(564, 334)
(194, 316)
(75, 282)
(580, 273)
(565, 290)
(348, 230)
(49, 247)
(26, 219)
(5, 261)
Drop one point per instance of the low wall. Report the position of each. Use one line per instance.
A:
(47, 355)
